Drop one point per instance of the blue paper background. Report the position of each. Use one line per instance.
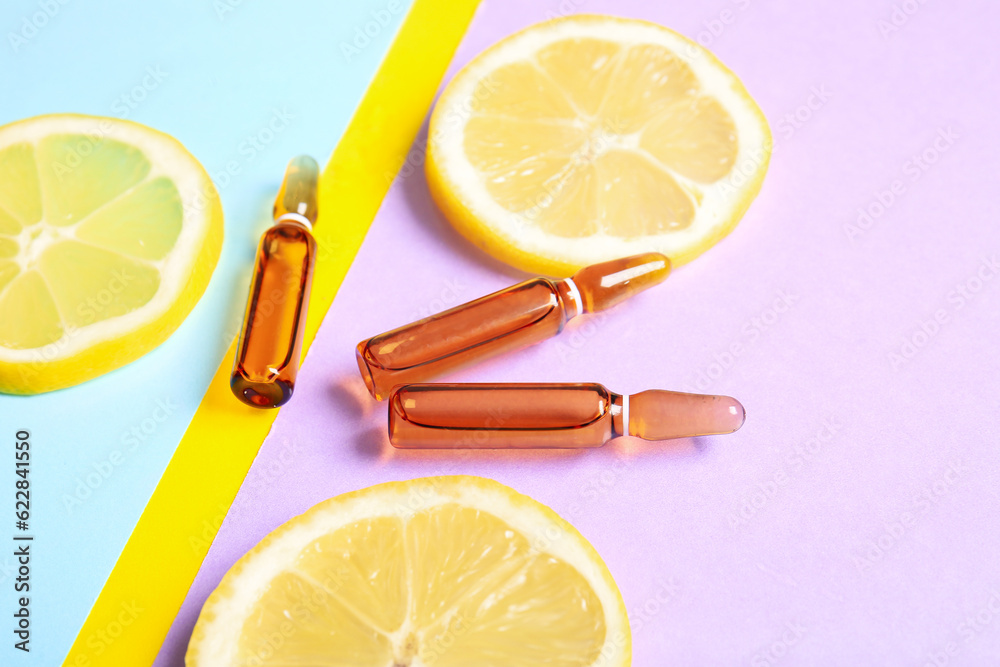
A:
(213, 74)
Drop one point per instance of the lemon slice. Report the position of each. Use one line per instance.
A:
(433, 572)
(109, 233)
(586, 138)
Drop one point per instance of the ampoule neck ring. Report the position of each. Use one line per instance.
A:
(295, 217)
(620, 414)
(571, 294)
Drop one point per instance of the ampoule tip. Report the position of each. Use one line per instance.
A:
(661, 415)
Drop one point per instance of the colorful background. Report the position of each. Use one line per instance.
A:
(251, 83)
(855, 312)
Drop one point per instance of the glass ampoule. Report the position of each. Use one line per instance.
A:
(549, 415)
(270, 345)
(512, 318)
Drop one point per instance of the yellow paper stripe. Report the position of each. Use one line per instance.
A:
(161, 558)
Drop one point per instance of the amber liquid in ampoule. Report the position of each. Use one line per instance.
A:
(549, 415)
(270, 345)
(485, 416)
(526, 313)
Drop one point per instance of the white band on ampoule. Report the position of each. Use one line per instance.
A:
(574, 294)
(625, 415)
(623, 411)
(301, 219)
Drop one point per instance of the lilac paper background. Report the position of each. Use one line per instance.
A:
(853, 520)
